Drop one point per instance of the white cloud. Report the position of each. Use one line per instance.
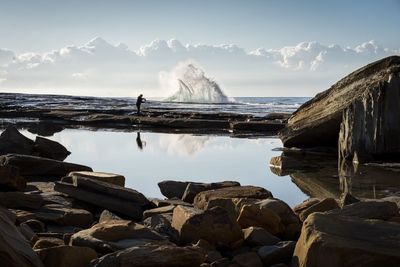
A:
(101, 68)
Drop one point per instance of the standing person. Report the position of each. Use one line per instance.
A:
(139, 101)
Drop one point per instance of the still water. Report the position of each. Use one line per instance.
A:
(148, 158)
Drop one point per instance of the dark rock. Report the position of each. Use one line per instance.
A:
(161, 223)
(28, 233)
(317, 122)
(10, 179)
(36, 225)
(153, 256)
(257, 236)
(47, 148)
(36, 166)
(248, 259)
(48, 242)
(66, 256)
(346, 199)
(60, 215)
(171, 189)
(151, 212)
(280, 253)
(192, 189)
(14, 248)
(332, 240)
(20, 200)
(282, 165)
(12, 141)
(111, 178)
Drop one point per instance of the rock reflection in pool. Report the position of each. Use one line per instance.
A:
(179, 157)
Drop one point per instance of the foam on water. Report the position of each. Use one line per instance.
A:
(195, 87)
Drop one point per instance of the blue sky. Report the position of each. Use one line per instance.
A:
(41, 25)
(250, 48)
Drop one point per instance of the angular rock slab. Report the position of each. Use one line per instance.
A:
(331, 240)
(202, 199)
(43, 167)
(153, 256)
(12, 141)
(15, 250)
(67, 256)
(10, 179)
(111, 178)
(47, 148)
(213, 225)
(317, 122)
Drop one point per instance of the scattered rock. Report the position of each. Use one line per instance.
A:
(36, 225)
(47, 148)
(48, 242)
(201, 200)
(67, 256)
(279, 253)
(257, 236)
(151, 212)
(324, 205)
(153, 256)
(14, 248)
(10, 179)
(171, 189)
(64, 216)
(108, 216)
(161, 223)
(213, 225)
(248, 259)
(192, 189)
(43, 167)
(111, 178)
(19, 200)
(330, 240)
(305, 205)
(110, 236)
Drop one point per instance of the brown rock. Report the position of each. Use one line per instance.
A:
(48, 242)
(257, 236)
(378, 210)
(111, 178)
(36, 225)
(305, 205)
(283, 165)
(64, 216)
(151, 212)
(36, 166)
(192, 189)
(171, 189)
(161, 223)
(108, 216)
(17, 200)
(10, 179)
(109, 236)
(47, 148)
(330, 240)
(324, 205)
(279, 253)
(67, 256)
(214, 225)
(14, 248)
(153, 256)
(201, 200)
(248, 259)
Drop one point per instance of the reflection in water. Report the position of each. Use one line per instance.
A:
(139, 141)
(321, 177)
(183, 144)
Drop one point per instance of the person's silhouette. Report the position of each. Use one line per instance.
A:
(139, 141)
(139, 101)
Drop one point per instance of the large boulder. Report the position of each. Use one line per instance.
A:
(378, 210)
(213, 225)
(47, 148)
(171, 189)
(10, 179)
(114, 235)
(331, 240)
(12, 141)
(43, 167)
(67, 256)
(368, 97)
(151, 255)
(202, 199)
(15, 250)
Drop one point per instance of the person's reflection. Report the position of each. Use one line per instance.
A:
(139, 141)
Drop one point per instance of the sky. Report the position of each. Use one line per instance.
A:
(251, 48)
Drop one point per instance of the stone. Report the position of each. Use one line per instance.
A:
(211, 253)
(192, 189)
(346, 199)
(27, 232)
(36, 225)
(111, 178)
(330, 240)
(257, 236)
(248, 259)
(377, 210)
(48, 242)
(20, 200)
(10, 179)
(167, 202)
(152, 256)
(114, 235)
(107, 199)
(171, 189)
(47, 148)
(36, 166)
(60, 215)
(254, 215)
(14, 248)
(161, 223)
(213, 225)
(151, 212)
(318, 121)
(394, 199)
(67, 256)
(201, 200)
(107, 216)
(279, 253)
(12, 141)
(283, 165)
(326, 204)
(12, 216)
